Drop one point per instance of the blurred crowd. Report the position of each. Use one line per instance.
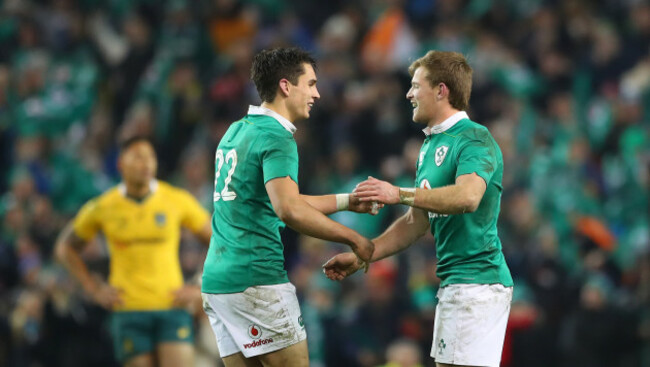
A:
(564, 87)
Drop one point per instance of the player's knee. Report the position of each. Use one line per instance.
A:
(175, 354)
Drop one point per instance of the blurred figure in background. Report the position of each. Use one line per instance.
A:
(141, 219)
(403, 353)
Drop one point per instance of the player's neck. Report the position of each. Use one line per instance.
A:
(137, 191)
(278, 107)
(443, 115)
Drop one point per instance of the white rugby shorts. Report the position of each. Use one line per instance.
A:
(470, 324)
(259, 320)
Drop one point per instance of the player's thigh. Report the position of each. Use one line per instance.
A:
(238, 360)
(293, 356)
(470, 324)
(141, 360)
(172, 354)
(174, 326)
(259, 321)
(133, 339)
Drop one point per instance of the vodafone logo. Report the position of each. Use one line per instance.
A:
(257, 343)
(254, 331)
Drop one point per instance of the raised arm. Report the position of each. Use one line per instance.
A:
(68, 250)
(464, 196)
(328, 204)
(297, 213)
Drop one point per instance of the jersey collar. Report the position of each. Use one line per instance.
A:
(153, 187)
(445, 125)
(259, 110)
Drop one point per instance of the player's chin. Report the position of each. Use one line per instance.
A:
(143, 180)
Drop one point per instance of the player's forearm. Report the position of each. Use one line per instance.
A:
(73, 262)
(325, 204)
(400, 235)
(205, 233)
(306, 219)
(453, 199)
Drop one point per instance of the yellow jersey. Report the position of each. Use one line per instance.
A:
(143, 241)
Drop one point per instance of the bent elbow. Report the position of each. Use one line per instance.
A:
(285, 213)
(470, 205)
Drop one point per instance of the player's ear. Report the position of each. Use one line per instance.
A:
(443, 91)
(284, 86)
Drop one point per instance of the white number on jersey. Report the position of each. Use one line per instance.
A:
(219, 160)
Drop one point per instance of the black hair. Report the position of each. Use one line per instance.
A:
(127, 143)
(270, 66)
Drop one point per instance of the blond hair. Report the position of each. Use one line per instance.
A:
(450, 68)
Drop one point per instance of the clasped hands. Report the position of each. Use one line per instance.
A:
(364, 196)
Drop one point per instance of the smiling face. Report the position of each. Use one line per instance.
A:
(422, 97)
(302, 95)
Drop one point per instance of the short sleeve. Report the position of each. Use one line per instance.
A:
(194, 216)
(478, 156)
(279, 157)
(86, 223)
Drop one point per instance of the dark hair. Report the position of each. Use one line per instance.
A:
(270, 66)
(127, 143)
(450, 68)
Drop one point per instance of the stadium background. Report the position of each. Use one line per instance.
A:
(564, 86)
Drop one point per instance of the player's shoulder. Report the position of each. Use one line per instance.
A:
(258, 130)
(171, 192)
(268, 125)
(472, 130)
(107, 197)
(165, 188)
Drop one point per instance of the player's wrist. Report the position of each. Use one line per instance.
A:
(342, 202)
(360, 264)
(356, 241)
(407, 195)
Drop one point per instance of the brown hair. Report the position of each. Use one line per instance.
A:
(450, 68)
(270, 66)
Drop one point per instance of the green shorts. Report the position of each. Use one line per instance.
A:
(138, 332)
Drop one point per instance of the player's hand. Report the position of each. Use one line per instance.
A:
(107, 296)
(363, 249)
(358, 206)
(380, 191)
(342, 265)
(188, 296)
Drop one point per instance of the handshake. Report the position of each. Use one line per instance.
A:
(368, 196)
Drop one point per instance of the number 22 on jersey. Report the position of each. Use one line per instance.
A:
(220, 160)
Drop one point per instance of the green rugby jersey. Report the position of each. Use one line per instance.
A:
(467, 245)
(245, 249)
